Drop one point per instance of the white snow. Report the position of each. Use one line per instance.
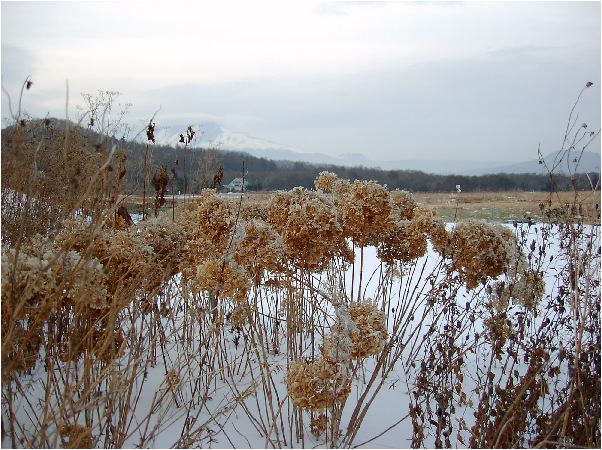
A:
(386, 424)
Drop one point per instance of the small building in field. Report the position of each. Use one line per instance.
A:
(236, 185)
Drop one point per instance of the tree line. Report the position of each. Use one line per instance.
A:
(263, 174)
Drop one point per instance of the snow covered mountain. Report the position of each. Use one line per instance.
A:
(213, 135)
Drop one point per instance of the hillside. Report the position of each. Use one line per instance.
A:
(212, 135)
(266, 174)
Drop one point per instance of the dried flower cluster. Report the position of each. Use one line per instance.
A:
(326, 181)
(358, 333)
(404, 203)
(316, 385)
(240, 314)
(523, 285)
(216, 219)
(371, 334)
(129, 262)
(310, 229)
(77, 436)
(365, 210)
(405, 242)
(339, 345)
(261, 249)
(218, 276)
(318, 424)
(391, 221)
(478, 250)
(46, 278)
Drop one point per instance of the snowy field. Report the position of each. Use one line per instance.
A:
(242, 401)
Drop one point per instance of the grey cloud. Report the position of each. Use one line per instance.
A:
(477, 108)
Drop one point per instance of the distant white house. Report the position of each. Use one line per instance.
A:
(236, 185)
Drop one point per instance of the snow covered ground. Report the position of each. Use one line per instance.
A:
(233, 406)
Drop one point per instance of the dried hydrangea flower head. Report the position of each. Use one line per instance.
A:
(405, 242)
(77, 436)
(34, 281)
(207, 224)
(426, 221)
(215, 219)
(260, 249)
(404, 202)
(405, 239)
(309, 226)
(126, 259)
(167, 242)
(47, 277)
(479, 250)
(371, 334)
(318, 425)
(338, 345)
(254, 209)
(316, 385)
(498, 330)
(325, 181)
(365, 212)
(523, 285)
(187, 217)
(364, 322)
(240, 314)
(219, 276)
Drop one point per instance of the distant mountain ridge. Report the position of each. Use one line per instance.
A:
(573, 162)
(212, 135)
(268, 175)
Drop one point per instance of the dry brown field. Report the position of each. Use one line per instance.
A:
(496, 206)
(514, 205)
(490, 206)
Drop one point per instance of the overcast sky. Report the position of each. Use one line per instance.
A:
(392, 80)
